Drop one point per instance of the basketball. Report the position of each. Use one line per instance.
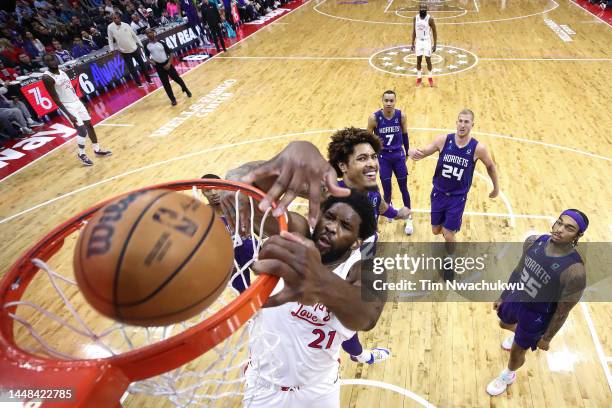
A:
(153, 258)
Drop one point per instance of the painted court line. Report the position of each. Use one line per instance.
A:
(476, 6)
(296, 58)
(246, 142)
(549, 59)
(380, 384)
(389, 3)
(147, 95)
(597, 343)
(319, 4)
(115, 124)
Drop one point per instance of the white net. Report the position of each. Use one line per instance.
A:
(66, 327)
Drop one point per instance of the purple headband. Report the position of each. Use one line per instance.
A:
(582, 226)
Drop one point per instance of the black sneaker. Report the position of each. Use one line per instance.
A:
(103, 153)
(150, 82)
(140, 85)
(188, 93)
(84, 159)
(173, 102)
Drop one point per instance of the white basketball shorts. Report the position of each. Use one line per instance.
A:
(78, 110)
(422, 48)
(260, 394)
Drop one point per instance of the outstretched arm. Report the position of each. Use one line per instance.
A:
(483, 154)
(308, 281)
(573, 281)
(436, 146)
(299, 164)
(405, 141)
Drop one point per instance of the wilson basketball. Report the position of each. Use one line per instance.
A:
(153, 258)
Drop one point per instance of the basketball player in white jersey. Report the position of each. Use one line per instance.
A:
(63, 94)
(315, 308)
(422, 30)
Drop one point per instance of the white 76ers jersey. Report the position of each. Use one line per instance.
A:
(308, 340)
(63, 87)
(422, 28)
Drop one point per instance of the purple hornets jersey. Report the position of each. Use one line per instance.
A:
(541, 276)
(455, 168)
(374, 197)
(389, 130)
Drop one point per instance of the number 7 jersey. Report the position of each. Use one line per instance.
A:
(455, 168)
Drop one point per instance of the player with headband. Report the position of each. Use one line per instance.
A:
(553, 277)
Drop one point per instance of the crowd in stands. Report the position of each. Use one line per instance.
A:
(604, 4)
(70, 29)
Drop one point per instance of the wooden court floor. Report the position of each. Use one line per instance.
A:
(541, 105)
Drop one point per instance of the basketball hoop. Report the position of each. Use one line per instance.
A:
(117, 357)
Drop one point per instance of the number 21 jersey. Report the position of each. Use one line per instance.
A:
(455, 168)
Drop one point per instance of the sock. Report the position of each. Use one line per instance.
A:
(419, 74)
(403, 186)
(386, 185)
(353, 346)
(80, 144)
(365, 356)
(508, 375)
(429, 75)
(96, 147)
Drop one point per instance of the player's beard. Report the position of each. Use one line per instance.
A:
(334, 254)
(422, 13)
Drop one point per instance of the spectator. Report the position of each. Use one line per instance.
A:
(173, 10)
(27, 66)
(76, 26)
(9, 52)
(61, 54)
(19, 105)
(34, 43)
(88, 40)
(61, 34)
(127, 44)
(210, 14)
(108, 6)
(79, 48)
(7, 33)
(155, 8)
(42, 5)
(139, 26)
(164, 19)
(151, 19)
(42, 33)
(247, 11)
(97, 37)
(23, 11)
(7, 73)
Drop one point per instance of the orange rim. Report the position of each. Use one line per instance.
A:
(153, 359)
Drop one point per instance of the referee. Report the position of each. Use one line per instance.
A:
(160, 54)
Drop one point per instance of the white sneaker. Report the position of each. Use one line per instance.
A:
(507, 343)
(499, 385)
(409, 229)
(377, 355)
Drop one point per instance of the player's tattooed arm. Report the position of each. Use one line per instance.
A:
(436, 146)
(516, 273)
(573, 281)
(371, 123)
